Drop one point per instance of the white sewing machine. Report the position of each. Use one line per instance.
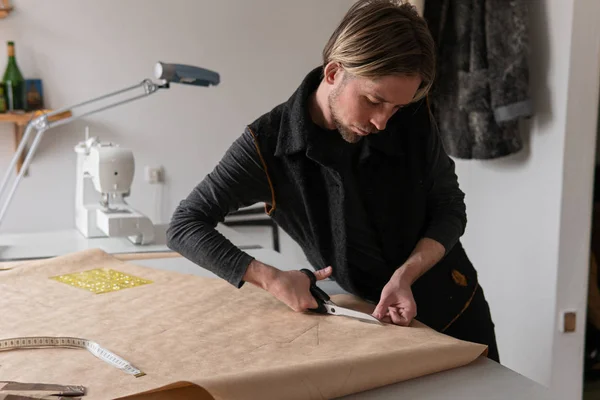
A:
(104, 175)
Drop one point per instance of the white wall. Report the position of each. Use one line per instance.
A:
(529, 214)
(83, 49)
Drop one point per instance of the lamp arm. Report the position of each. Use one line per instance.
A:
(42, 123)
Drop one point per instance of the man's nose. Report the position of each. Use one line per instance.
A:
(380, 120)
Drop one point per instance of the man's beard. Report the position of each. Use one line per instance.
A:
(347, 134)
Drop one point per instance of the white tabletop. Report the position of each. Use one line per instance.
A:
(482, 379)
(24, 246)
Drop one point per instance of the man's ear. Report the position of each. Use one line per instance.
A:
(333, 72)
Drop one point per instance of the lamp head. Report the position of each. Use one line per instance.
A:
(185, 74)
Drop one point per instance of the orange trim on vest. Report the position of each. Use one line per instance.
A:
(464, 308)
(268, 209)
(459, 278)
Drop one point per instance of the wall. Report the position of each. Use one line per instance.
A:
(529, 213)
(84, 49)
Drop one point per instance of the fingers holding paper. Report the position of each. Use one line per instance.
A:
(396, 305)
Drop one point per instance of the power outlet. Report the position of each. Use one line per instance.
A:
(154, 174)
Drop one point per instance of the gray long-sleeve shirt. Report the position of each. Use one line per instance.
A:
(238, 180)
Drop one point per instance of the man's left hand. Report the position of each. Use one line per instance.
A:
(397, 304)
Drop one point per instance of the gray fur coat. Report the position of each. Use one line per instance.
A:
(481, 88)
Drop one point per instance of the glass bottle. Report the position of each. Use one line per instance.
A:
(2, 99)
(13, 82)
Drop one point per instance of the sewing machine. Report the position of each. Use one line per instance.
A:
(104, 175)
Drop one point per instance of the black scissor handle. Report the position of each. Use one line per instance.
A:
(319, 295)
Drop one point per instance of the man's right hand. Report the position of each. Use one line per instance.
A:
(290, 287)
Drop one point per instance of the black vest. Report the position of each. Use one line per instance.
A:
(308, 201)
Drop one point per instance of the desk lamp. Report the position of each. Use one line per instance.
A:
(167, 73)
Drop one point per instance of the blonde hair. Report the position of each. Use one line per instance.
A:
(377, 38)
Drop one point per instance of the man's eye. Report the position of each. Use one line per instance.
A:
(373, 101)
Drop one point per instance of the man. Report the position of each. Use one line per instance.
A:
(352, 168)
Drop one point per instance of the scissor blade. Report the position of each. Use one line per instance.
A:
(346, 312)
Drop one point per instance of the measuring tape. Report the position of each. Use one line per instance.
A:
(34, 342)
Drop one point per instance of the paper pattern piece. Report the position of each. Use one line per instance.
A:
(192, 333)
(101, 280)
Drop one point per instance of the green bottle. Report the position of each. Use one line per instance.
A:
(13, 82)
(2, 98)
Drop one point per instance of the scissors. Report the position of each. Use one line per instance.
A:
(326, 306)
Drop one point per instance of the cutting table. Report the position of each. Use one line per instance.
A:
(482, 379)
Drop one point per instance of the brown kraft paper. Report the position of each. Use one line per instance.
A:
(191, 334)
